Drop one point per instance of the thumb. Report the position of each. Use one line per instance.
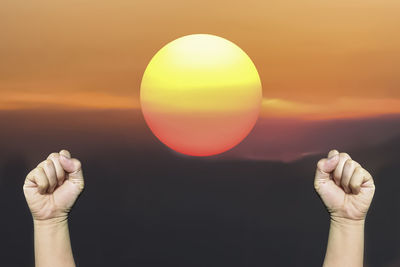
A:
(69, 165)
(73, 168)
(325, 166)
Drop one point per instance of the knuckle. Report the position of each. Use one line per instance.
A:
(48, 163)
(320, 163)
(355, 163)
(344, 155)
(65, 151)
(53, 155)
(37, 170)
(359, 169)
(333, 151)
(349, 162)
(367, 175)
(30, 173)
(78, 164)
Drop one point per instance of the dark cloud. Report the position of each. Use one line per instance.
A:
(290, 139)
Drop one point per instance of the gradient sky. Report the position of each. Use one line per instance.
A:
(316, 58)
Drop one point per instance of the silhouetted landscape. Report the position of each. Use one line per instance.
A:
(145, 205)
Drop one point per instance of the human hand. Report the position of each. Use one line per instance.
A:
(52, 188)
(344, 186)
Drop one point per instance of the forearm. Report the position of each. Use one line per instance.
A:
(52, 244)
(345, 243)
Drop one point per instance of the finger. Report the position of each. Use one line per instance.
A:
(325, 166)
(348, 170)
(70, 165)
(50, 171)
(66, 153)
(337, 173)
(38, 177)
(74, 169)
(367, 177)
(359, 178)
(57, 165)
(332, 153)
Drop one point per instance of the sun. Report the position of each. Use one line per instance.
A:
(201, 95)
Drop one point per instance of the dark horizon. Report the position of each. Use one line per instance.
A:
(145, 206)
(272, 139)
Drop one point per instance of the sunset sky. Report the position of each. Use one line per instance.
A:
(316, 59)
(70, 78)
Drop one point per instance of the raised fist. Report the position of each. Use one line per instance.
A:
(344, 186)
(52, 188)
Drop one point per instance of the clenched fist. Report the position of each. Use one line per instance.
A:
(52, 188)
(344, 186)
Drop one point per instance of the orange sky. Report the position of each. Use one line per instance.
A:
(316, 59)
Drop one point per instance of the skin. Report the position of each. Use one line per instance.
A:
(346, 189)
(51, 190)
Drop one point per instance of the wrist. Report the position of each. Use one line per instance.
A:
(342, 222)
(51, 222)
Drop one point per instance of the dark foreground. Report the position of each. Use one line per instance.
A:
(146, 206)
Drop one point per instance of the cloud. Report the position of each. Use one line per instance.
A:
(288, 139)
(65, 100)
(337, 108)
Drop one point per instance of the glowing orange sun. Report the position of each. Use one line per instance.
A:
(201, 95)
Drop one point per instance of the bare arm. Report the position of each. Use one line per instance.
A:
(345, 244)
(52, 244)
(51, 190)
(346, 189)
